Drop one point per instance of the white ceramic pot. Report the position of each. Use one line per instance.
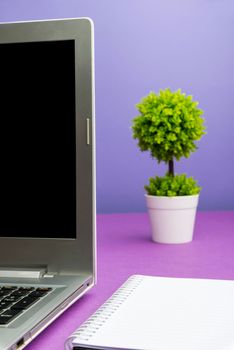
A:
(172, 218)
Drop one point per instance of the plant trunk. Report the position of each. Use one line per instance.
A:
(171, 167)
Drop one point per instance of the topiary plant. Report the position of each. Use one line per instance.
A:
(168, 126)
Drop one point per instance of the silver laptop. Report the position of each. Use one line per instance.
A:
(47, 186)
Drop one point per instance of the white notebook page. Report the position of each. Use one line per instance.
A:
(166, 313)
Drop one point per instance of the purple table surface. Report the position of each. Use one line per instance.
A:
(124, 247)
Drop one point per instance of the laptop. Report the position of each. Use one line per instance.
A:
(47, 173)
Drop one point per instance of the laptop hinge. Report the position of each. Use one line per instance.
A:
(23, 273)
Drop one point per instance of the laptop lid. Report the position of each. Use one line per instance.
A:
(47, 182)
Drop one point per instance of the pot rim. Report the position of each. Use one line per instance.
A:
(172, 203)
(172, 197)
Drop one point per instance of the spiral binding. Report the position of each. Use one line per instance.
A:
(103, 314)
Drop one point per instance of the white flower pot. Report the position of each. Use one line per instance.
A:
(172, 218)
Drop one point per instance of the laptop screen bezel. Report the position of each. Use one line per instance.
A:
(71, 255)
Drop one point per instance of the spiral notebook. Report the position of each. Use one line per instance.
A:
(157, 313)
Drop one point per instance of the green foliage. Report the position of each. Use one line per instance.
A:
(168, 125)
(178, 185)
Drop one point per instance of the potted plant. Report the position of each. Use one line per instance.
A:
(168, 126)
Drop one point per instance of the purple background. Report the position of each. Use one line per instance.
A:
(143, 46)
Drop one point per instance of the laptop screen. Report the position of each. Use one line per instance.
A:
(37, 140)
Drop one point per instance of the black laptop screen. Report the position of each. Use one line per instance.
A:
(37, 140)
